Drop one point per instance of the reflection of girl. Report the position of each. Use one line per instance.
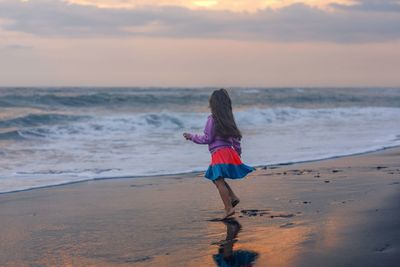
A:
(226, 257)
(223, 139)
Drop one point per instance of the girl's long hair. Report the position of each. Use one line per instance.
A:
(221, 109)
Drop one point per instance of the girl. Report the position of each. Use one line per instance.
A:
(223, 139)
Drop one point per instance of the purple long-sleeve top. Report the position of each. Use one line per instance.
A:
(214, 142)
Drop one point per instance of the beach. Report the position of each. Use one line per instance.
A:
(337, 212)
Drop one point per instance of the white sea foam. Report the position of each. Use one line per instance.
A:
(151, 143)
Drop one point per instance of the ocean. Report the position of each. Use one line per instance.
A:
(51, 136)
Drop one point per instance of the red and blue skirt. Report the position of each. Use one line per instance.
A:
(226, 163)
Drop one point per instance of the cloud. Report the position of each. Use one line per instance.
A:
(367, 21)
(392, 6)
(232, 5)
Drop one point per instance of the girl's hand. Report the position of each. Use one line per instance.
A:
(187, 136)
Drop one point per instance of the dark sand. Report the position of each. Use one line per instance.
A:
(338, 212)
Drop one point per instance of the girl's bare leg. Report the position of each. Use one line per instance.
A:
(224, 193)
(232, 194)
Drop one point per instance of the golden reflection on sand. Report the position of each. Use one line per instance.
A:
(279, 243)
(274, 245)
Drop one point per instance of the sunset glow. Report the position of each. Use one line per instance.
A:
(231, 5)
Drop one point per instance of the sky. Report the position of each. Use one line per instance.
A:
(246, 43)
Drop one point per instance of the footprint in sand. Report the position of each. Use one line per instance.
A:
(381, 167)
(254, 212)
(287, 225)
(257, 212)
(382, 248)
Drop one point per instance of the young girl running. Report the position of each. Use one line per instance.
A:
(223, 139)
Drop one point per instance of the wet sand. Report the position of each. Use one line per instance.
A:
(337, 212)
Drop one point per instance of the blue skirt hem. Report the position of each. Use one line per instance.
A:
(230, 171)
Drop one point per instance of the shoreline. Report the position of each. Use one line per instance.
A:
(294, 215)
(195, 173)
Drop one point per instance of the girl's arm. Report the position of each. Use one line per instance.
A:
(208, 136)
